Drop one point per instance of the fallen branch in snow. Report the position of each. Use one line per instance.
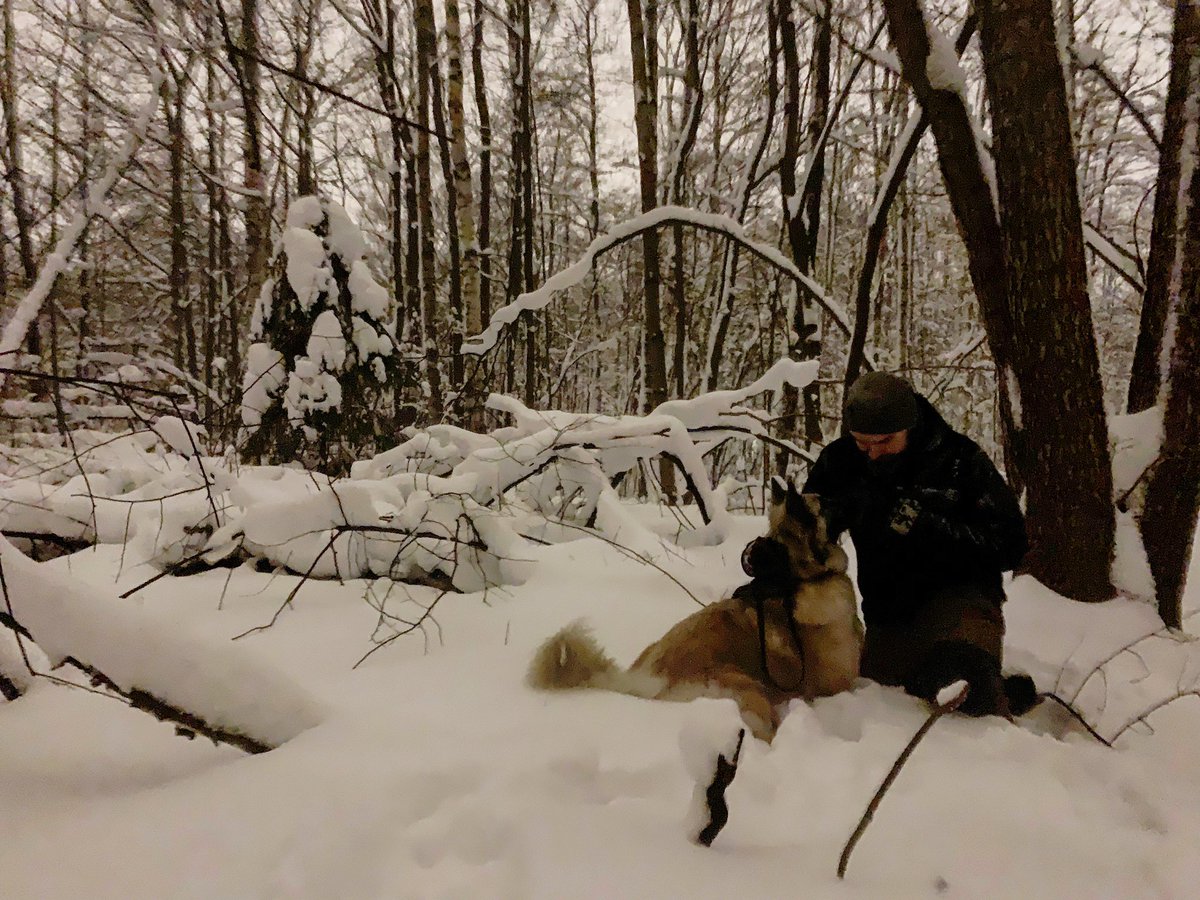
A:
(201, 686)
(944, 705)
(1076, 715)
(409, 537)
(1145, 714)
(718, 809)
(410, 627)
(186, 724)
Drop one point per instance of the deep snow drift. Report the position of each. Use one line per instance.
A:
(436, 773)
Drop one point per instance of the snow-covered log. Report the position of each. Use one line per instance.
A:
(211, 688)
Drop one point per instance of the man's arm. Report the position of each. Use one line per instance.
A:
(989, 527)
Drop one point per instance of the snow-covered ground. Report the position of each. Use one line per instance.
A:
(435, 772)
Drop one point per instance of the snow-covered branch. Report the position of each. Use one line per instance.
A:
(209, 688)
(94, 205)
(627, 231)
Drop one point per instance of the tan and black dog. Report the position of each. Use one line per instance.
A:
(717, 652)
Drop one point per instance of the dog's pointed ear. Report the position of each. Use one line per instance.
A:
(798, 509)
(779, 488)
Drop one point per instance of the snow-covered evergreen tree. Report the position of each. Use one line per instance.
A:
(321, 370)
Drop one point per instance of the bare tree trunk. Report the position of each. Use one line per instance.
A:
(970, 195)
(802, 205)
(485, 167)
(472, 319)
(87, 136)
(430, 318)
(258, 217)
(693, 103)
(527, 189)
(1065, 461)
(1173, 494)
(15, 172)
(303, 38)
(643, 31)
(213, 262)
(427, 45)
(184, 342)
(1166, 237)
(402, 200)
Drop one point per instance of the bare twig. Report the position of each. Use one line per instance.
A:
(1077, 716)
(632, 554)
(1145, 714)
(938, 711)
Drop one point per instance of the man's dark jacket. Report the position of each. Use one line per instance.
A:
(938, 521)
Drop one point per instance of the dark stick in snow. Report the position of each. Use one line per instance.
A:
(718, 809)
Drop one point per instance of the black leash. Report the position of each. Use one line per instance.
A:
(759, 598)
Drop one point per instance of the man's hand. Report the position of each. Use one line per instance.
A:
(911, 504)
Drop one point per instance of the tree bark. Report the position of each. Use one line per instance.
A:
(465, 201)
(258, 215)
(485, 166)
(1065, 459)
(430, 319)
(643, 32)
(1173, 493)
(693, 103)
(15, 172)
(1166, 235)
(184, 342)
(802, 206)
(970, 194)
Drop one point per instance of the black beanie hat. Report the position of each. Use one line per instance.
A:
(880, 403)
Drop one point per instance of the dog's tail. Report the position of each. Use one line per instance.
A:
(572, 659)
(569, 660)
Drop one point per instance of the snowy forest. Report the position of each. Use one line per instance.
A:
(350, 348)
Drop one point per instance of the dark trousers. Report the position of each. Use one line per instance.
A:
(894, 653)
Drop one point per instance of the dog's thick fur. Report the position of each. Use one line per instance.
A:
(716, 652)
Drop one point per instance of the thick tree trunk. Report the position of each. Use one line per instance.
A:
(428, 41)
(1172, 504)
(1065, 459)
(1166, 235)
(465, 202)
(184, 340)
(214, 264)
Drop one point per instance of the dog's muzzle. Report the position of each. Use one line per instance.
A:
(765, 558)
